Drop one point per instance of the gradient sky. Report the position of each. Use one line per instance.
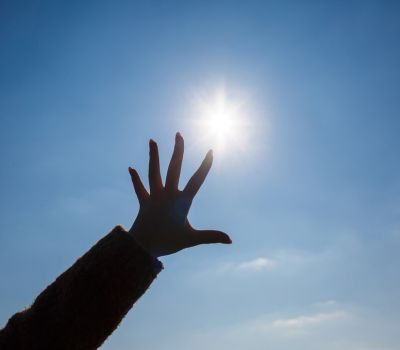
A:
(312, 202)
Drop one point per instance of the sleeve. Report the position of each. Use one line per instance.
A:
(85, 304)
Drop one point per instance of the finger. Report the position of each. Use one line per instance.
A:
(140, 190)
(199, 176)
(154, 169)
(208, 237)
(175, 165)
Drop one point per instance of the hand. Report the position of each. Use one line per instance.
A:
(161, 226)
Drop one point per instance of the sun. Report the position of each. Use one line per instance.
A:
(220, 119)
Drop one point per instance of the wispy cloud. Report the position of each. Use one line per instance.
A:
(328, 325)
(296, 325)
(253, 265)
(284, 260)
(310, 320)
(257, 264)
(326, 303)
(310, 330)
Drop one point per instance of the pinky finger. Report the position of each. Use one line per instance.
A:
(140, 190)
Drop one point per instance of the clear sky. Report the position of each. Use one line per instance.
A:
(311, 198)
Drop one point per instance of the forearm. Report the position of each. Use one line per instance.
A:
(88, 301)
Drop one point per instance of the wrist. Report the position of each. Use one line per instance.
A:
(141, 241)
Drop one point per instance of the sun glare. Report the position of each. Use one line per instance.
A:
(220, 119)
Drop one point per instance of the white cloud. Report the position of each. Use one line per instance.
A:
(284, 260)
(257, 264)
(310, 331)
(310, 320)
(297, 326)
(326, 303)
(341, 327)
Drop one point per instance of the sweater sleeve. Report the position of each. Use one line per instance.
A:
(85, 304)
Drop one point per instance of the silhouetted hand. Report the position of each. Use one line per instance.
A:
(161, 226)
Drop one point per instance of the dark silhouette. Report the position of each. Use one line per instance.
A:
(84, 305)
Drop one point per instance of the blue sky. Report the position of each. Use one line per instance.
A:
(312, 202)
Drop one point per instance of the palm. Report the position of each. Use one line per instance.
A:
(162, 226)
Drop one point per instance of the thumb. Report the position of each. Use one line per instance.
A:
(209, 236)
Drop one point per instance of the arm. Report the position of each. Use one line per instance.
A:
(83, 306)
(88, 301)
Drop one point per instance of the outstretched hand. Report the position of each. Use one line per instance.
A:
(161, 226)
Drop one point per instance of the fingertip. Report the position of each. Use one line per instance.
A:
(179, 139)
(134, 174)
(226, 239)
(153, 147)
(209, 158)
